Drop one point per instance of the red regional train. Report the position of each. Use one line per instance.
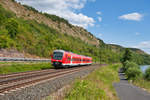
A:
(61, 58)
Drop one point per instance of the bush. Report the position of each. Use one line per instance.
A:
(128, 64)
(133, 73)
(147, 74)
(6, 42)
(132, 70)
(2, 19)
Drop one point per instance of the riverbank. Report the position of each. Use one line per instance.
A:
(144, 68)
(96, 86)
(142, 82)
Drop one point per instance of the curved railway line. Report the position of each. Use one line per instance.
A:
(13, 81)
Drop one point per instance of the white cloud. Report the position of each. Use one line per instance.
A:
(137, 33)
(132, 16)
(63, 8)
(144, 45)
(92, 0)
(113, 43)
(98, 13)
(99, 19)
(97, 25)
(99, 35)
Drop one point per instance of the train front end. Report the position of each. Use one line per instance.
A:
(57, 58)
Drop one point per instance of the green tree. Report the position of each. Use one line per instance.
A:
(12, 27)
(127, 56)
(128, 65)
(147, 74)
(133, 73)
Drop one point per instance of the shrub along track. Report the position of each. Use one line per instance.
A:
(13, 81)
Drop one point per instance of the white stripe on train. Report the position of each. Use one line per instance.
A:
(76, 64)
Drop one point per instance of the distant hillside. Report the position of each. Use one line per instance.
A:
(119, 48)
(139, 51)
(116, 48)
(24, 29)
(138, 55)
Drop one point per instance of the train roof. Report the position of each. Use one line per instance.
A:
(59, 51)
(70, 52)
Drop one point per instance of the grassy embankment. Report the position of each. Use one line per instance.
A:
(97, 86)
(143, 84)
(13, 67)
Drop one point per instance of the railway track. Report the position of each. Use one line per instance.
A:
(13, 81)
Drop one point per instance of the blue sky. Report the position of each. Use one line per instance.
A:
(123, 22)
(129, 33)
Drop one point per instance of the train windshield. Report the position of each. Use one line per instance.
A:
(58, 55)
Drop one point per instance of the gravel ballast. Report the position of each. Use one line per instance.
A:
(43, 89)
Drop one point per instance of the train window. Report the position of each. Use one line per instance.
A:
(57, 55)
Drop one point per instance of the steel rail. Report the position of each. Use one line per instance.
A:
(21, 83)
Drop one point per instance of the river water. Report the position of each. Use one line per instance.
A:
(144, 67)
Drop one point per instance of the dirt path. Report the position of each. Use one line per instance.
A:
(126, 91)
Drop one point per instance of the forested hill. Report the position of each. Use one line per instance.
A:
(24, 29)
(53, 21)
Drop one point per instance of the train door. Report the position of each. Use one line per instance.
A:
(71, 60)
